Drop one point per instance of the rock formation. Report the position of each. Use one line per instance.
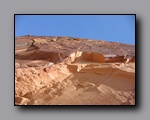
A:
(73, 71)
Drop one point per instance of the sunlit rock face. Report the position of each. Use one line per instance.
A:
(73, 71)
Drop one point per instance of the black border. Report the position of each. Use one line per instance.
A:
(86, 106)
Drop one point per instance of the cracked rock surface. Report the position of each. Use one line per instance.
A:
(53, 70)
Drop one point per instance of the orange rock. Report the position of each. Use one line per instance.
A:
(73, 71)
(98, 57)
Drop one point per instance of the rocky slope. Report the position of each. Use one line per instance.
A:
(73, 71)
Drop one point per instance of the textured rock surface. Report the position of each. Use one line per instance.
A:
(73, 71)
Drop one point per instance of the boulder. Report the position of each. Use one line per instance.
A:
(17, 65)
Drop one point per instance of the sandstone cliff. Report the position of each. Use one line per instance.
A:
(73, 71)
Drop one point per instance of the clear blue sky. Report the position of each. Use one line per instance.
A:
(115, 28)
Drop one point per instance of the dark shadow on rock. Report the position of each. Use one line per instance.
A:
(55, 57)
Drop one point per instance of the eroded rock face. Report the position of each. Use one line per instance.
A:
(73, 71)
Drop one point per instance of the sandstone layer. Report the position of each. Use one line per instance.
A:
(73, 71)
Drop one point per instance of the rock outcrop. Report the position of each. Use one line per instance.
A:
(73, 71)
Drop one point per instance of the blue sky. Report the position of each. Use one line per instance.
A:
(114, 28)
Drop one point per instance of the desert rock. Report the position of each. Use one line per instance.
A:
(53, 70)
